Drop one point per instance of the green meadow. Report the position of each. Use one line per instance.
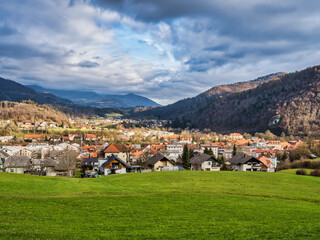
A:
(294, 170)
(161, 205)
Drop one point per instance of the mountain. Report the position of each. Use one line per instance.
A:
(132, 100)
(69, 94)
(190, 106)
(13, 91)
(93, 99)
(288, 103)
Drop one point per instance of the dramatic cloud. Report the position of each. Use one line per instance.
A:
(162, 49)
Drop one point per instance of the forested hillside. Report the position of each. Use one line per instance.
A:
(286, 103)
(31, 112)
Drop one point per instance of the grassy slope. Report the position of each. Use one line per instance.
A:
(168, 205)
(293, 171)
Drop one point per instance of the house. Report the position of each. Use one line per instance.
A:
(118, 150)
(260, 144)
(12, 150)
(136, 155)
(204, 162)
(56, 167)
(213, 147)
(26, 152)
(157, 162)
(4, 139)
(274, 145)
(172, 151)
(34, 137)
(235, 136)
(17, 164)
(90, 137)
(243, 162)
(49, 165)
(267, 164)
(90, 164)
(227, 153)
(114, 165)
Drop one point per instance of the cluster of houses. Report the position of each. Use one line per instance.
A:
(47, 159)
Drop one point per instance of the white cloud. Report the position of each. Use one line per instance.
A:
(171, 56)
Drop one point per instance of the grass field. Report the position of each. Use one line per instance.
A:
(293, 171)
(161, 205)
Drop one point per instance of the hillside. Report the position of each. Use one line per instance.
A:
(13, 91)
(161, 205)
(93, 99)
(290, 104)
(30, 112)
(190, 106)
(286, 103)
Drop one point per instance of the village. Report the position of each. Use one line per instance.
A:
(93, 148)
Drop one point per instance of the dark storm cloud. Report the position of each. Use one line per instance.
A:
(242, 19)
(154, 11)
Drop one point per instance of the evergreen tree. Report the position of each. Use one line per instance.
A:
(210, 152)
(221, 159)
(186, 157)
(234, 152)
(206, 150)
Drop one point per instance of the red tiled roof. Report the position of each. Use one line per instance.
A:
(116, 148)
(32, 136)
(266, 161)
(90, 136)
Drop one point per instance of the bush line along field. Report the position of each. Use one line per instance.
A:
(161, 205)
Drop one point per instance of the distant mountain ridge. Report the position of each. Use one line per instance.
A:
(13, 91)
(16, 92)
(93, 99)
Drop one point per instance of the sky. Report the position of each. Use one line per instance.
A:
(166, 50)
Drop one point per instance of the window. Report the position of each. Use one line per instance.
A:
(115, 165)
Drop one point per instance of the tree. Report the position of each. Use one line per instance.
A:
(221, 159)
(208, 151)
(143, 161)
(234, 152)
(301, 152)
(186, 157)
(68, 161)
(284, 156)
(316, 150)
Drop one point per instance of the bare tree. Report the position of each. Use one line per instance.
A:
(143, 161)
(68, 161)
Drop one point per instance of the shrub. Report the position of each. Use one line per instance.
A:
(301, 172)
(225, 167)
(315, 173)
(77, 174)
(305, 164)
